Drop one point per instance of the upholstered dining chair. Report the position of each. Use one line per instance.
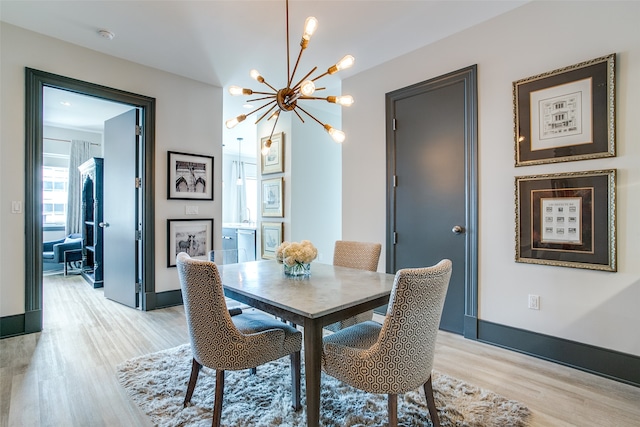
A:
(397, 356)
(223, 342)
(360, 255)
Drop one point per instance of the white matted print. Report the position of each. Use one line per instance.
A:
(192, 236)
(272, 198)
(189, 176)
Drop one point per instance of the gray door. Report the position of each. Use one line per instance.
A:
(121, 248)
(431, 189)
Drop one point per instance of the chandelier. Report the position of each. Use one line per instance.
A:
(286, 99)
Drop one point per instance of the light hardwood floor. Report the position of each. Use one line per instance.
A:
(65, 375)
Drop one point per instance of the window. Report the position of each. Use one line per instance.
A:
(54, 195)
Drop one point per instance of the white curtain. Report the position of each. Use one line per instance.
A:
(79, 153)
(238, 199)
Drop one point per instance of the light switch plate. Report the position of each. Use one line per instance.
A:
(191, 210)
(16, 206)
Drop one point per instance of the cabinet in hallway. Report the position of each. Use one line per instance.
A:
(91, 173)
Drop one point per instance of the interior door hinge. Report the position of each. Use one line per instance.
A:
(138, 287)
(394, 124)
(395, 238)
(395, 180)
(138, 130)
(138, 182)
(138, 234)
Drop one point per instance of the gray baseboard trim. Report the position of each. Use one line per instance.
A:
(168, 298)
(10, 326)
(20, 324)
(596, 360)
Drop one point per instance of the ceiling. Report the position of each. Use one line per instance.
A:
(218, 42)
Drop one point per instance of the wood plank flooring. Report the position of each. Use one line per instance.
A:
(65, 375)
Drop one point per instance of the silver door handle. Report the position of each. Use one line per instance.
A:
(227, 238)
(458, 229)
(103, 224)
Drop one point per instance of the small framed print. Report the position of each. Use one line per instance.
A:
(273, 160)
(193, 236)
(189, 176)
(566, 114)
(567, 219)
(272, 198)
(271, 237)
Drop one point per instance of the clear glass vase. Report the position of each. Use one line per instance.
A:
(298, 269)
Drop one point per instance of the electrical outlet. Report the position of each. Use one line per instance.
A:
(534, 302)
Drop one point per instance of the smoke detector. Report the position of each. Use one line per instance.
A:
(106, 34)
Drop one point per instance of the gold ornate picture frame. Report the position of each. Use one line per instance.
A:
(567, 219)
(566, 114)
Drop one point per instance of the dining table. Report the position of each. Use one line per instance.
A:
(329, 294)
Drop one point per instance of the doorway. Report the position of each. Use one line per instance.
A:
(36, 81)
(432, 187)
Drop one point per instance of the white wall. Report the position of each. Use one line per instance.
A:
(312, 181)
(596, 308)
(184, 109)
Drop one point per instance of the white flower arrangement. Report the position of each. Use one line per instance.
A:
(292, 253)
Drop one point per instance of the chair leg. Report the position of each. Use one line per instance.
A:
(295, 380)
(392, 402)
(217, 404)
(431, 403)
(195, 370)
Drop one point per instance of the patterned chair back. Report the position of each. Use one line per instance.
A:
(407, 339)
(360, 255)
(208, 319)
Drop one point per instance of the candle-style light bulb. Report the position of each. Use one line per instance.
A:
(344, 100)
(255, 74)
(310, 26)
(337, 135)
(307, 88)
(237, 90)
(231, 123)
(346, 62)
(266, 147)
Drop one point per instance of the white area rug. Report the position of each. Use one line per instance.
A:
(157, 382)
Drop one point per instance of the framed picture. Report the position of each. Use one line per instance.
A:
(566, 114)
(567, 219)
(271, 238)
(273, 160)
(189, 176)
(272, 198)
(193, 236)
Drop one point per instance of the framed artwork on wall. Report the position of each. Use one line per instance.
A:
(566, 114)
(272, 198)
(272, 157)
(193, 236)
(567, 219)
(271, 237)
(189, 176)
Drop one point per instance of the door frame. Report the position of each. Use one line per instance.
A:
(35, 81)
(468, 76)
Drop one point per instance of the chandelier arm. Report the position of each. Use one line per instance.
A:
(267, 112)
(254, 92)
(261, 99)
(304, 78)
(310, 115)
(259, 108)
(320, 76)
(274, 127)
(314, 98)
(295, 67)
(272, 88)
(287, 18)
(299, 116)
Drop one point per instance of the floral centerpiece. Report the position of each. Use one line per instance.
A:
(296, 257)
